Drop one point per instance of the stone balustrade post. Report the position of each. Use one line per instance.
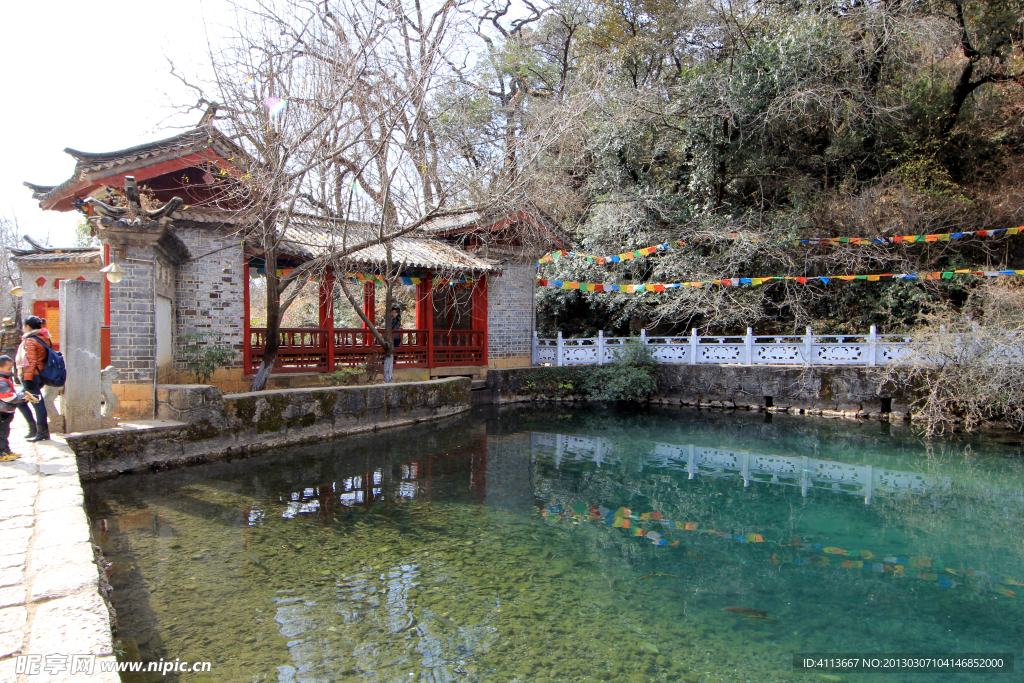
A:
(808, 347)
(749, 343)
(693, 346)
(872, 347)
(600, 347)
(560, 350)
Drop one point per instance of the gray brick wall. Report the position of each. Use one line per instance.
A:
(132, 318)
(206, 298)
(511, 311)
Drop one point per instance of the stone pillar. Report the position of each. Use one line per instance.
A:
(81, 316)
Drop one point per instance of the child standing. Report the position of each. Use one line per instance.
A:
(10, 398)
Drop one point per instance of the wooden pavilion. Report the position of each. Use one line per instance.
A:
(188, 270)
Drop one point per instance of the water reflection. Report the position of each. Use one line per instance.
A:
(496, 548)
(801, 471)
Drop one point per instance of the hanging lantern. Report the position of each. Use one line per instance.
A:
(113, 272)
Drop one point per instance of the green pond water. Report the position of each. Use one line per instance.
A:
(495, 548)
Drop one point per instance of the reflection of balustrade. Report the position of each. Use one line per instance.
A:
(807, 473)
(809, 349)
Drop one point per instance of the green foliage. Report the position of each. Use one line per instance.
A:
(83, 234)
(629, 378)
(343, 376)
(201, 357)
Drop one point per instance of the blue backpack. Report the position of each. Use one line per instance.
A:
(54, 373)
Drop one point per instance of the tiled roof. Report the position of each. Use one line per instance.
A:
(310, 236)
(444, 224)
(473, 221)
(57, 256)
(93, 165)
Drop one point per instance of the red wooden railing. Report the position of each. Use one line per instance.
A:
(305, 349)
(459, 347)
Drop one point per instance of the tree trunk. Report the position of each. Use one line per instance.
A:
(389, 364)
(272, 341)
(961, 91)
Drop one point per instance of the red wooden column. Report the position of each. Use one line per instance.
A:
(105, 329)
(327, 314)
(480, 310)
(425, 313)
(247, 319)
(369, 303)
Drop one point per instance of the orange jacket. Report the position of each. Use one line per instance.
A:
(35, 353)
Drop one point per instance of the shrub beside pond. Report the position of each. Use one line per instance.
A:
(629, 378)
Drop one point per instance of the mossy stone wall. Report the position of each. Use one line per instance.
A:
(835, 388)
(208, 425)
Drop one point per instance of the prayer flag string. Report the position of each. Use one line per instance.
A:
(895, 239)
(757, 281)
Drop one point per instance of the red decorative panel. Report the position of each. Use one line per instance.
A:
(57, 281)
(81, 277)
(40, 281)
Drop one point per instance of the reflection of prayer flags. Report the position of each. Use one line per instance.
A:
(674, 544)
(751, 538)
(878, 568)
(623, 512)
(758, 538)
(691, 526)
(579, 508)
(946, 583)
(620, 523)
(660, 541)
(555, 509)
(653, 535)
(832, 550)
(645, 515)
(867, 553)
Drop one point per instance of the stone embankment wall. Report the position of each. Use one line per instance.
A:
(200, 424)
(833, 391)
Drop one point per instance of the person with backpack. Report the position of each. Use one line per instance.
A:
(31, 358)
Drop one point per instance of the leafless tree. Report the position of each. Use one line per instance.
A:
(968, 363)
(333, 107)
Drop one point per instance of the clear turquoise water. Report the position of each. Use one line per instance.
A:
(439, 553)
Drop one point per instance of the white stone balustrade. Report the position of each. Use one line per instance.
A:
(868, 350)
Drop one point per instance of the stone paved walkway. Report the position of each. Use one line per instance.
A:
(49, 598)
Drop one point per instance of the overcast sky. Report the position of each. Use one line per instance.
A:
(94, 78)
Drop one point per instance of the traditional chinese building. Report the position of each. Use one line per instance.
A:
(187, 268)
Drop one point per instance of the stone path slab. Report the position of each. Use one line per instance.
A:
(49, 582)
